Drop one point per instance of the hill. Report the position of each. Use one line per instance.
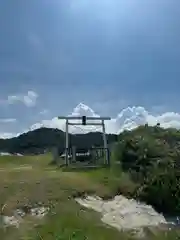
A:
(42, 139)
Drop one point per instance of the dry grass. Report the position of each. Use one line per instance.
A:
(39, 182)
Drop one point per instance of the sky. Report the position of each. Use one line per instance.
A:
(107, 54)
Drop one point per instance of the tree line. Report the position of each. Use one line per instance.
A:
(44, 139)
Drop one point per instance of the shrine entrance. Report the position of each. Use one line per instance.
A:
(87, 156)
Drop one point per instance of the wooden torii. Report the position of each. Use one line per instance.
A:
(84, 123)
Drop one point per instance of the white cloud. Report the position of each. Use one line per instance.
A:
(7, 120)
(128, 118)
(28, 99)
(44, 112)
(5, 135)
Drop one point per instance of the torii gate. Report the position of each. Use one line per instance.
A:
(84, 123)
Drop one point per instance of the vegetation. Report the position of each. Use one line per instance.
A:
(66, 219)
(145, 165)
(43, 139)
(148, 156)
(40, 183)
(151, 157)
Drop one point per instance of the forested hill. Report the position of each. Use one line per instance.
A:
(45, 138)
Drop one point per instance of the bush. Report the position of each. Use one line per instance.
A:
(151, 155)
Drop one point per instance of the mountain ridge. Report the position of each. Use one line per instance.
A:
(41, 139)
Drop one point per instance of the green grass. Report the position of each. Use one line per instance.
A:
(67, 219)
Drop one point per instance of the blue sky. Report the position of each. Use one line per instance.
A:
(108, 54)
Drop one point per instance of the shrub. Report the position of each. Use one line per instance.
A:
(151, 156)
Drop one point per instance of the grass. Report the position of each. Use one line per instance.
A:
(39, 182)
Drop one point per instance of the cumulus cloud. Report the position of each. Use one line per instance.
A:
(28, 99)
(128, 119)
